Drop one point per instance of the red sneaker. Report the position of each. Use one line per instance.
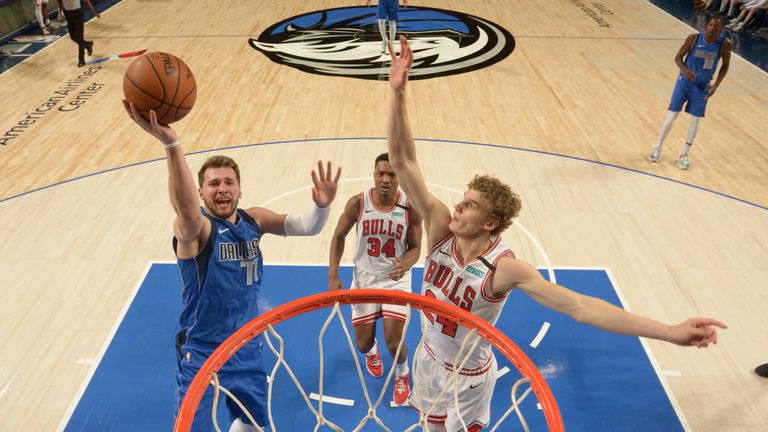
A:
(373, 364)
(402, 390)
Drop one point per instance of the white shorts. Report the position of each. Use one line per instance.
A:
(364, 313)
(475, 393)
(39, 2)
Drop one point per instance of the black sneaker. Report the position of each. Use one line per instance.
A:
(89, 47)
(762, 370)
(80, 63)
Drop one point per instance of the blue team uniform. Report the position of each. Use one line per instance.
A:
(388, 10)
(220, 292)
(702, 59)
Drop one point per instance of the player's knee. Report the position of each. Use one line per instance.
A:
(392, 344)
(364, 344)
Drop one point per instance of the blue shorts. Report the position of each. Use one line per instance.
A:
(243, 375)
(694, 94)
(388, 10)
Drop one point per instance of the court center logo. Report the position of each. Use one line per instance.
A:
(346, 42)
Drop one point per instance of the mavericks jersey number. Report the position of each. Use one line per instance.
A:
(251, 273)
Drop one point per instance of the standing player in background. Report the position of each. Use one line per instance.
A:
(388, 245)
(217, 246)
(41, 14)
(702, 52)
(468, 265)
(387, 13)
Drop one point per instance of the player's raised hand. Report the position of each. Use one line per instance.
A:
(324, 189)
(401, 65)
(165, 134)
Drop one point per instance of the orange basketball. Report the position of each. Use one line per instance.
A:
(162, 82)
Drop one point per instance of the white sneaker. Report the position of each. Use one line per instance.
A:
(683, 160)
(738, 28)
(654, 157)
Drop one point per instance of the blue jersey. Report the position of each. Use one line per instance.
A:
(703, 57)
(221, 284)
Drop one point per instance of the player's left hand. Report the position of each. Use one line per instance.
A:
(324, 189)
(712, 91)
(398, 270)
(698, 332)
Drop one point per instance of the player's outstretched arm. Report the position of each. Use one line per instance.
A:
(190, 223)
(402, 149)
(310, 222)
(698, 332)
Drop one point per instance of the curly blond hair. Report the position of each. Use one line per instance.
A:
(504, 205)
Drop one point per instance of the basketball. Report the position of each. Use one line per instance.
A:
(162, 82)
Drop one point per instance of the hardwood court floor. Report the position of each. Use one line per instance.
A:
(71, 254)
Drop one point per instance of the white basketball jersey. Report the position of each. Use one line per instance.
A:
(468, 287)
(381, 234)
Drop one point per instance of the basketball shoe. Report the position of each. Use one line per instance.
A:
(373, 364)
(402, 390)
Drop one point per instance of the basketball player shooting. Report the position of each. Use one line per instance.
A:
(470, 239)
(217, 246)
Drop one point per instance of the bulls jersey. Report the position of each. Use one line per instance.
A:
(221, 284)
(468, 287)
(381, 234)
(703, 57)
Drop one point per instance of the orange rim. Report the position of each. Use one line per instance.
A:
(327, 299)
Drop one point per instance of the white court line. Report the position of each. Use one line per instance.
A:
(104, 346)
(542, 332)
(652, 359)
(333, 400)
(501, 372)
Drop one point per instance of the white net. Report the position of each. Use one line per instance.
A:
(322, 420)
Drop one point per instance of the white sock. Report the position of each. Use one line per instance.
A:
(392, 31)
(666, 127)
(383, 29)
(374, 350)
(401, 369)
(39, 16)
(239, 426)
(692, 129)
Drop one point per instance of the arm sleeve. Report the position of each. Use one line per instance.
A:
(308, 223)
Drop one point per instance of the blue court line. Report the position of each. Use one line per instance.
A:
(498, 146)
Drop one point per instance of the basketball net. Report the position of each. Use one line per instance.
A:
(479, 330)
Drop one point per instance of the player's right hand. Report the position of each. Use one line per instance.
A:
(334, 283)
(164, 133)
(689, 74)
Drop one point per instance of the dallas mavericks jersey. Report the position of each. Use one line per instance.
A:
(381, 234)
(221, 284)
(703, 57)
(468, 287)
